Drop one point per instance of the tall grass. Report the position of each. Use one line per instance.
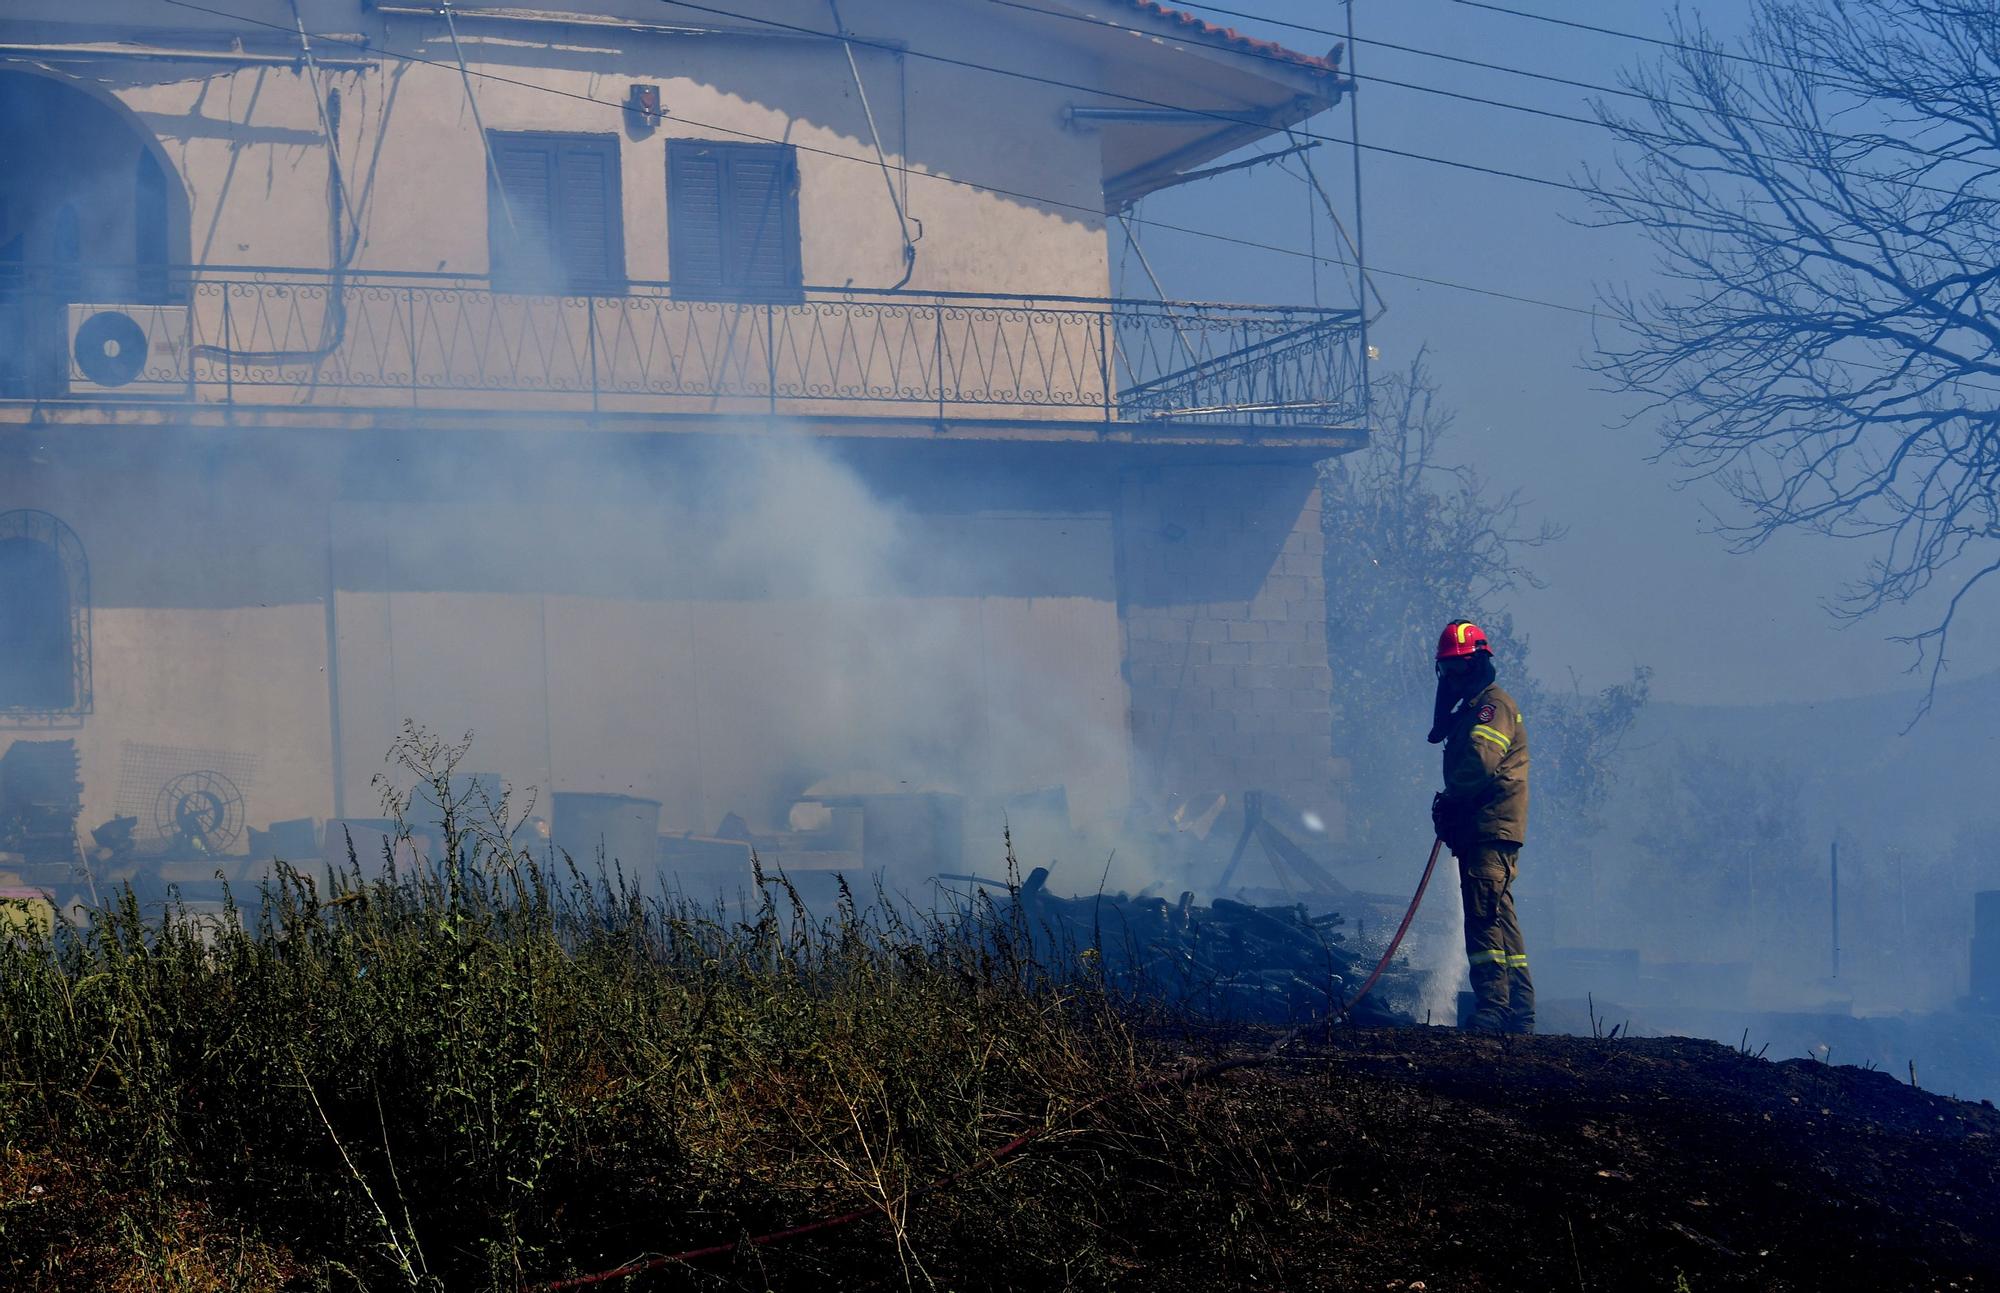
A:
(491, 1067)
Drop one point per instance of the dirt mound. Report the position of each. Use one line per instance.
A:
(1419, 1158)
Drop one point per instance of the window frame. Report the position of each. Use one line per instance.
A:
(36, 525)
(516, 280)
(691, 287)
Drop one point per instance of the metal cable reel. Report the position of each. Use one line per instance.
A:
(201, 812)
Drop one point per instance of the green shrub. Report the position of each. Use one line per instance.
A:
(492, 1068)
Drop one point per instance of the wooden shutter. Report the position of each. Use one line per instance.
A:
(590, 224)
(763, 247)
(554, 215)
(694, 218)
(520, 212)
(733, 220)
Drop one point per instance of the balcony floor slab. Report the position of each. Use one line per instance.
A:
(1163, 435)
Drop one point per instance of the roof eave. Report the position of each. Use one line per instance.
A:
(1164, 171)
(1177, 24)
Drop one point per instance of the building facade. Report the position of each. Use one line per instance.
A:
(712, 405)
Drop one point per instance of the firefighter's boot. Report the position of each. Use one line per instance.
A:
(1490, 1012)
(1520, 994)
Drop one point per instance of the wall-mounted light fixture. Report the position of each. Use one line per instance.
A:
(642, 107)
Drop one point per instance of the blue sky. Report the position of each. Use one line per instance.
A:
(1640, 578)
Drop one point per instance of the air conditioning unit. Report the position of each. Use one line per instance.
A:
(127, 349)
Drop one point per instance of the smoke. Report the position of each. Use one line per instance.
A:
(1437, 955)
(731, 626)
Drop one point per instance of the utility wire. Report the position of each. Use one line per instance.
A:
(1408, 154)
(1132, 240)
(972, 65)
(1460, 59)
(325, 124)
(1360, 241)
(381, 51)
(1427, 280)
(1142, 100)
(1916, 150)
(1509, 105)
(1474, 167)
(1497, 172)
(1635, 131)
(895, 201)
(1661, 41)
(479, 122)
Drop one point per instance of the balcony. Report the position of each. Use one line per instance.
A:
(1068, 367)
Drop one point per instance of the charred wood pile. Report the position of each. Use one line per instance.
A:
(1234, 960)
(40, 798)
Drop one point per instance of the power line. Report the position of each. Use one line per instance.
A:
(1059, 203)
(1831, 136)
(1475, 167)
(1250, 243)
(384, 51)
(1142, 100)
(1015, 73)
(1660, 41)
(1498, 172)
(1509, 105)
(1598, 124)
(1408, 154)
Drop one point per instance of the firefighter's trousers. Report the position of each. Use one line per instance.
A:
(1499, 959)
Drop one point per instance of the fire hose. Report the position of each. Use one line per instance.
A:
(1189, 1078)
(1409, 915)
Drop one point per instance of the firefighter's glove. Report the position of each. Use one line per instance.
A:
(1447, 817)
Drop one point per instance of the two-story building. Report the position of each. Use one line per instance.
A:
(712, 404)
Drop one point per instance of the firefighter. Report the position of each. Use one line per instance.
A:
(1482, 816)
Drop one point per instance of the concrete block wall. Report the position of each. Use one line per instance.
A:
(1223, 604)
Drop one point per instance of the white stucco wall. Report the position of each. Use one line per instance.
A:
(249, 146)
(215, 553)
(669, 649)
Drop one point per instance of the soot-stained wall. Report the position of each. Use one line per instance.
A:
(714, 625)
(1225, 629)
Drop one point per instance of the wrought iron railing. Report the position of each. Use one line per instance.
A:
(274, 336)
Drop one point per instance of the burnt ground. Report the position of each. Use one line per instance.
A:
(1395, 1160)
(1423, 1158)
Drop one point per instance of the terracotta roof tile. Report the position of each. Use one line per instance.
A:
(1230, 36)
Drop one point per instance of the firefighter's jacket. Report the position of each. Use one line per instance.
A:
(1486, 771)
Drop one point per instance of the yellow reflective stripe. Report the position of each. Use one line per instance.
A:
(1518, 960)
(1491, 956)
(1493, 736)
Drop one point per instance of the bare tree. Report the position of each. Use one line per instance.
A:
(1826, 200)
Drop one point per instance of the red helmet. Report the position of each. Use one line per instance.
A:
(1462, 638)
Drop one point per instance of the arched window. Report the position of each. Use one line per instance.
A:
(44, 618)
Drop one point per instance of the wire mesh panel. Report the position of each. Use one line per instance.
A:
(146, 771)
